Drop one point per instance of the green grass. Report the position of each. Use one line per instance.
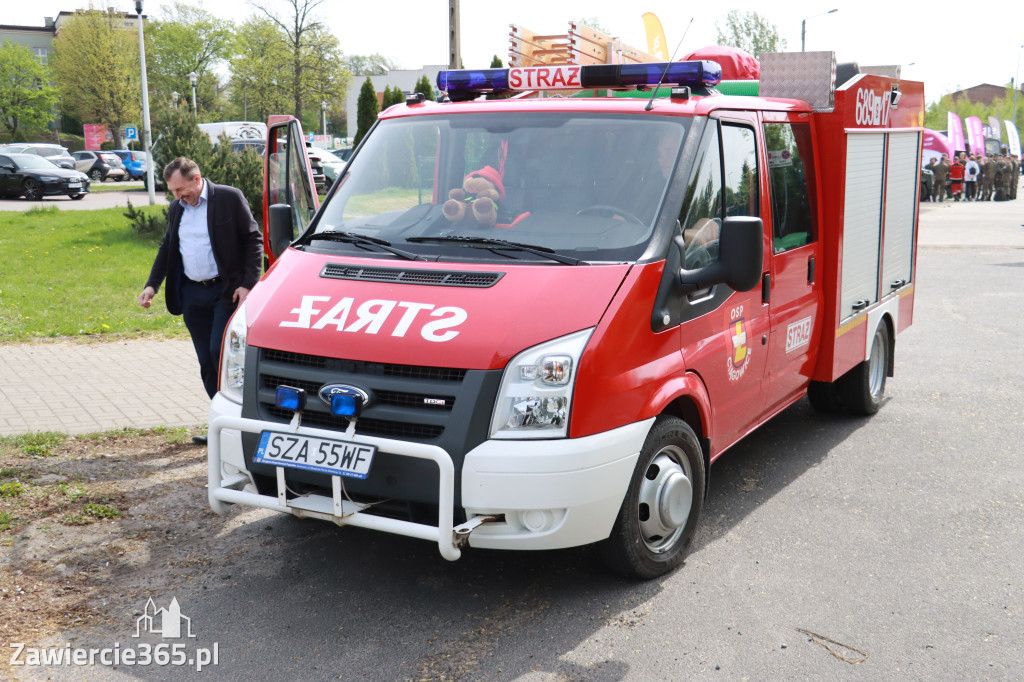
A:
(77, 274)
(34, 444)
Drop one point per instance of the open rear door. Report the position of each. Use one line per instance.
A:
(287, 177)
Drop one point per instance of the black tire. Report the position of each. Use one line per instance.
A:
(824, 396)
(32, 190)
(76, 197)
(863, 387)
(658, 518)
(96, 174)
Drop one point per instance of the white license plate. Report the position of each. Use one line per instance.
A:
(74, 185)
(323, 455)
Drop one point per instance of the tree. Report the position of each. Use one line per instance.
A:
(370, 65)
(751, 32)
(188, 39)
(26, 96)
(258, 86)
(423, 85)
(366, 111)
(179, 135)
(96, 68)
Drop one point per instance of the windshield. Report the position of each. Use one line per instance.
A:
(585, 185)
(32, 161)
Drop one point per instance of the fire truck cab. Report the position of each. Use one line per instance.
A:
(660, 270)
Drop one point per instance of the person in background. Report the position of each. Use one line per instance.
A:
(971, 171)
(956, 179)
(941, 171)
(211, 257)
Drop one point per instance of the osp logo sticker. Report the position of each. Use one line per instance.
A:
(739, 356)
(371, 316)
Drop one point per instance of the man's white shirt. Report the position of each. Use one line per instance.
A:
(194, 240)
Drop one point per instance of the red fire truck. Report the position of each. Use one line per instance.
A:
(661, 268)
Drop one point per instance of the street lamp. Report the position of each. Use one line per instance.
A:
(147, 135)
(192, 78)
(803, 26)
(323, 114)
(175, 95)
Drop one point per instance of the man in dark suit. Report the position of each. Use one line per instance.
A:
(211, 257)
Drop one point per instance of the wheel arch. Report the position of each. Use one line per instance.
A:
(687, 399)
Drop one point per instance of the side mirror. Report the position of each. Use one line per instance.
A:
(740, 257)
(280, 228)
(8, 167)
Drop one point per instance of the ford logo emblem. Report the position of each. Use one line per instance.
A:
(328, 391)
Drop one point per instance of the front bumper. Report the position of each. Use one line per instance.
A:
(517, 494)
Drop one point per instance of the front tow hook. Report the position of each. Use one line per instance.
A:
(461, 533)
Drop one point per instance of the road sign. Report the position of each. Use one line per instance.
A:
(131, 133)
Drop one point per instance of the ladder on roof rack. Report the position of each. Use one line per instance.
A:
(581, 45)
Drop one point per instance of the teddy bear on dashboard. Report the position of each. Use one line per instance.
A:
(476, 202)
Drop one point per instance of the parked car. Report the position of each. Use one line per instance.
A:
(332, 164)
(318, 168)
(342, 153)
(134, 162)
(100, 166)
(33, 177)
(54, 153)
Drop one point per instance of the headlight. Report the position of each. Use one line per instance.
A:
(536, 390)
(49, 178)
(232, 365)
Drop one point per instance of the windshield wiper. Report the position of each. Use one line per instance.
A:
(501, 244)
(362, 240)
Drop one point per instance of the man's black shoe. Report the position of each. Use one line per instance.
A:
(199, 440)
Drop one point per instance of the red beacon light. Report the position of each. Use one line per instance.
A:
(469, 83)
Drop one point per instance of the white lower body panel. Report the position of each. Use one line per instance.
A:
(545, 494)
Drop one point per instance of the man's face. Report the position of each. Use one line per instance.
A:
(186, 190)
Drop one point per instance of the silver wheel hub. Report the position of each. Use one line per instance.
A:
(876, 367)
(665, 500)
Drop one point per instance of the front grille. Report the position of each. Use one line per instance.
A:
(443, 278)
(407, 402)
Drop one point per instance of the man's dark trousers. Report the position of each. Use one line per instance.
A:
(206, 312)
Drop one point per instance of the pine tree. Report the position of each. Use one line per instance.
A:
(366, 111)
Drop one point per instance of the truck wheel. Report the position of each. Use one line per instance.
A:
(863, 387)
(824, 396)
(658, 518)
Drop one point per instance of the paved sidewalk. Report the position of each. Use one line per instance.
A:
(83, 388)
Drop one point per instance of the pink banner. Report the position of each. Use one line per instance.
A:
(935, 145)
(975, 135)
(955, 131)
(95, 135)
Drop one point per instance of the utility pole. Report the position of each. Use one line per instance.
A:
(454, 41)
(147, 134)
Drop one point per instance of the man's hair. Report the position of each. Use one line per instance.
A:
(187, 167)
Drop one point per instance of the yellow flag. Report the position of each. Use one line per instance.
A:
(656, 44)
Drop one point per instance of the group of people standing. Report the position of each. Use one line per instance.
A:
(972, 177)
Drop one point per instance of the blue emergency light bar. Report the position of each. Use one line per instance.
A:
(463, 83)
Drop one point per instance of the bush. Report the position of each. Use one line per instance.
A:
(178, 134)
(147, 225)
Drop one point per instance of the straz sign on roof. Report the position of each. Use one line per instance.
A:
(544, 78)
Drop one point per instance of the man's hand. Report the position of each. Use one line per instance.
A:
(240, 294)
(146, 297)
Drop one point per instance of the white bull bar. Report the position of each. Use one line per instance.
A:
(336, 509)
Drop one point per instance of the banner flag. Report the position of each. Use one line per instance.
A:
(1013, 137)
(955, 131)
(993, 123)
(656, 44)
(95, 134)
(975, 135)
